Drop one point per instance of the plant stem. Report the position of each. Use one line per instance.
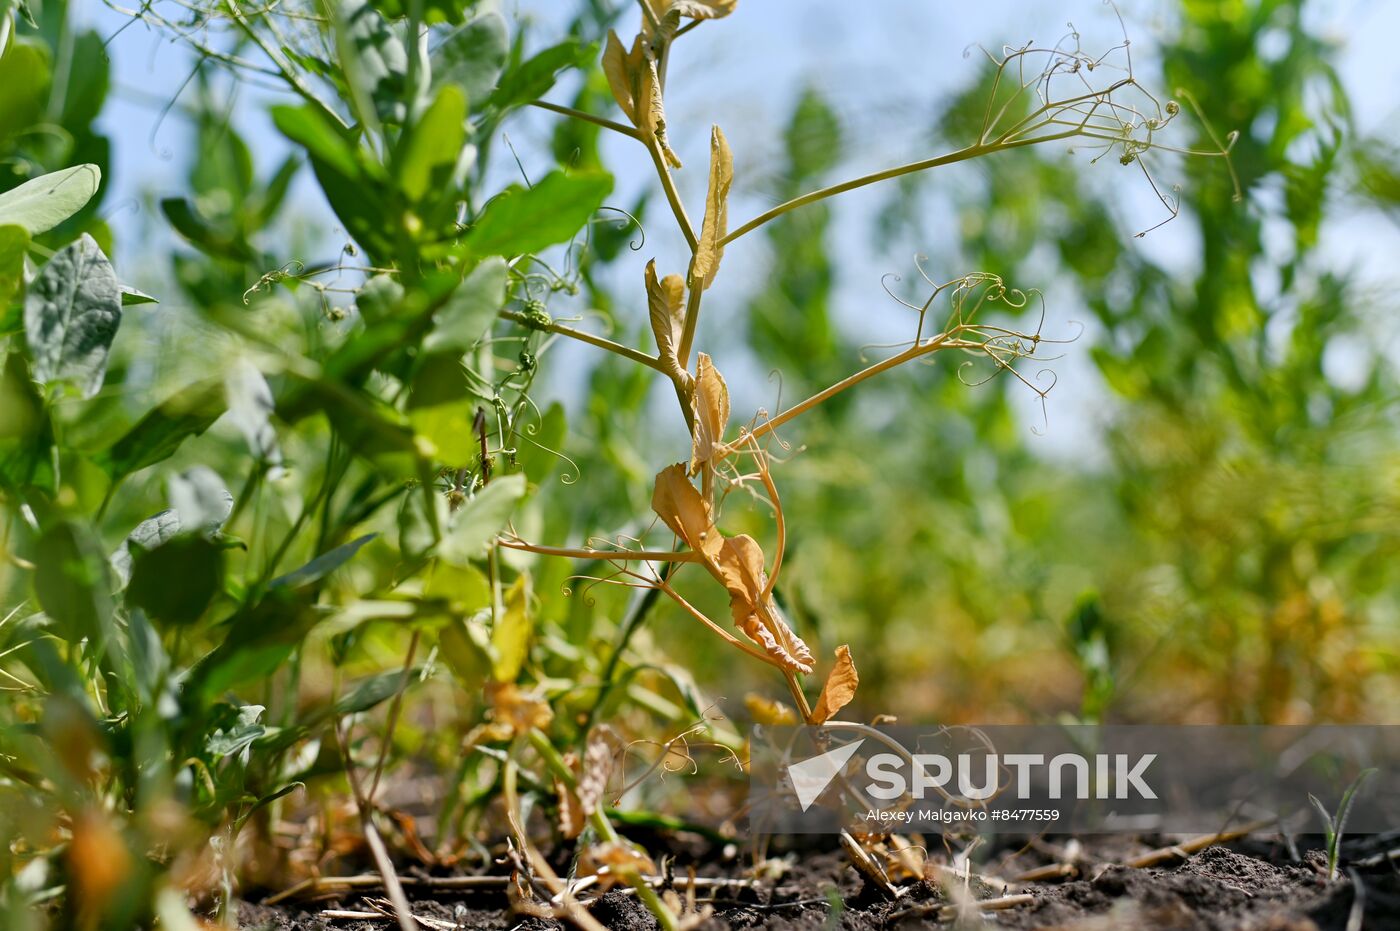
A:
(692, 320)
(673, 197)
(586, 553)
(588, 118)
(601, 342)
(949, 158)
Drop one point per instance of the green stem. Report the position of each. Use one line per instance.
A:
(961, 155)
(588, 118)
(601, 342)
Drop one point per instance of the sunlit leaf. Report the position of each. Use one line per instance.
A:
(322, 565)
(510, 638)
(468, 314)
(521, 220)
(71, 315)
(716, 223)
(473, 56)
(666, 305)
(839, 689)
(157, 435)
(481, 518)
(710, 403)
(44, 202)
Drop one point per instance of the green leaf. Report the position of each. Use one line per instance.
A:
(322, 565)
(522, 220)
(208, 237)
(71, 315)
(441, 407)
(24, 89)
(46, 201)
(372, 58)
(26, 430)
(477, 523)
(467, 316)
(71, 582)
(132, 296)
(473, 56)
(157, 435)
(152, 532)
(198, 495)
(533, 78)
(430, 155)
(378, 298)
(250, 408)
(176, 581)
(14, 242)
(239, 736)
(373, 690)
(322, 139)
(510, 639)
(466, 646)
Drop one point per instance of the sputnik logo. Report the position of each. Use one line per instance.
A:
(811, 776)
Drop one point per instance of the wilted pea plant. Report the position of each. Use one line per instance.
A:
(158, 655)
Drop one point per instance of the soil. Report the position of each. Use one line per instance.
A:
(1258, 884)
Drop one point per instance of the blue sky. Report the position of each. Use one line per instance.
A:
(884, 70)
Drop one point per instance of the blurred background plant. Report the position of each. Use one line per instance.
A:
(311, 642)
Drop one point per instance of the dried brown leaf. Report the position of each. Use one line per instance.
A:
(679, 504)
(666, 302)
(621, 75)
(739, 565)
(716, 223)
(710, 403)
(652, 110)
(702, 9)
(840, 687)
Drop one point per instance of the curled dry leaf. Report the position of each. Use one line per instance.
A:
(666, 302)
(740, 567)
(623, 70)
(737, 562)
(701, 9)
(840, 687)
(716, 223)
(680, 505)
(651, 108)
(710, 402)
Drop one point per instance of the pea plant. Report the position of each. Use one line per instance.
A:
(183, 662)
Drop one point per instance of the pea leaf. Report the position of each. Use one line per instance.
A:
(42, 203)
(176, 581)
(14, 241)
(534, 77)
(198, 495)
(157, 435)
(716, 222)
(510, 640)
(430, 154)
(250, 408)
(522, 220)
(322, 565)
(71, 315)
(468, 314)
(473, 56)
(480, 519)
(70, 579)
